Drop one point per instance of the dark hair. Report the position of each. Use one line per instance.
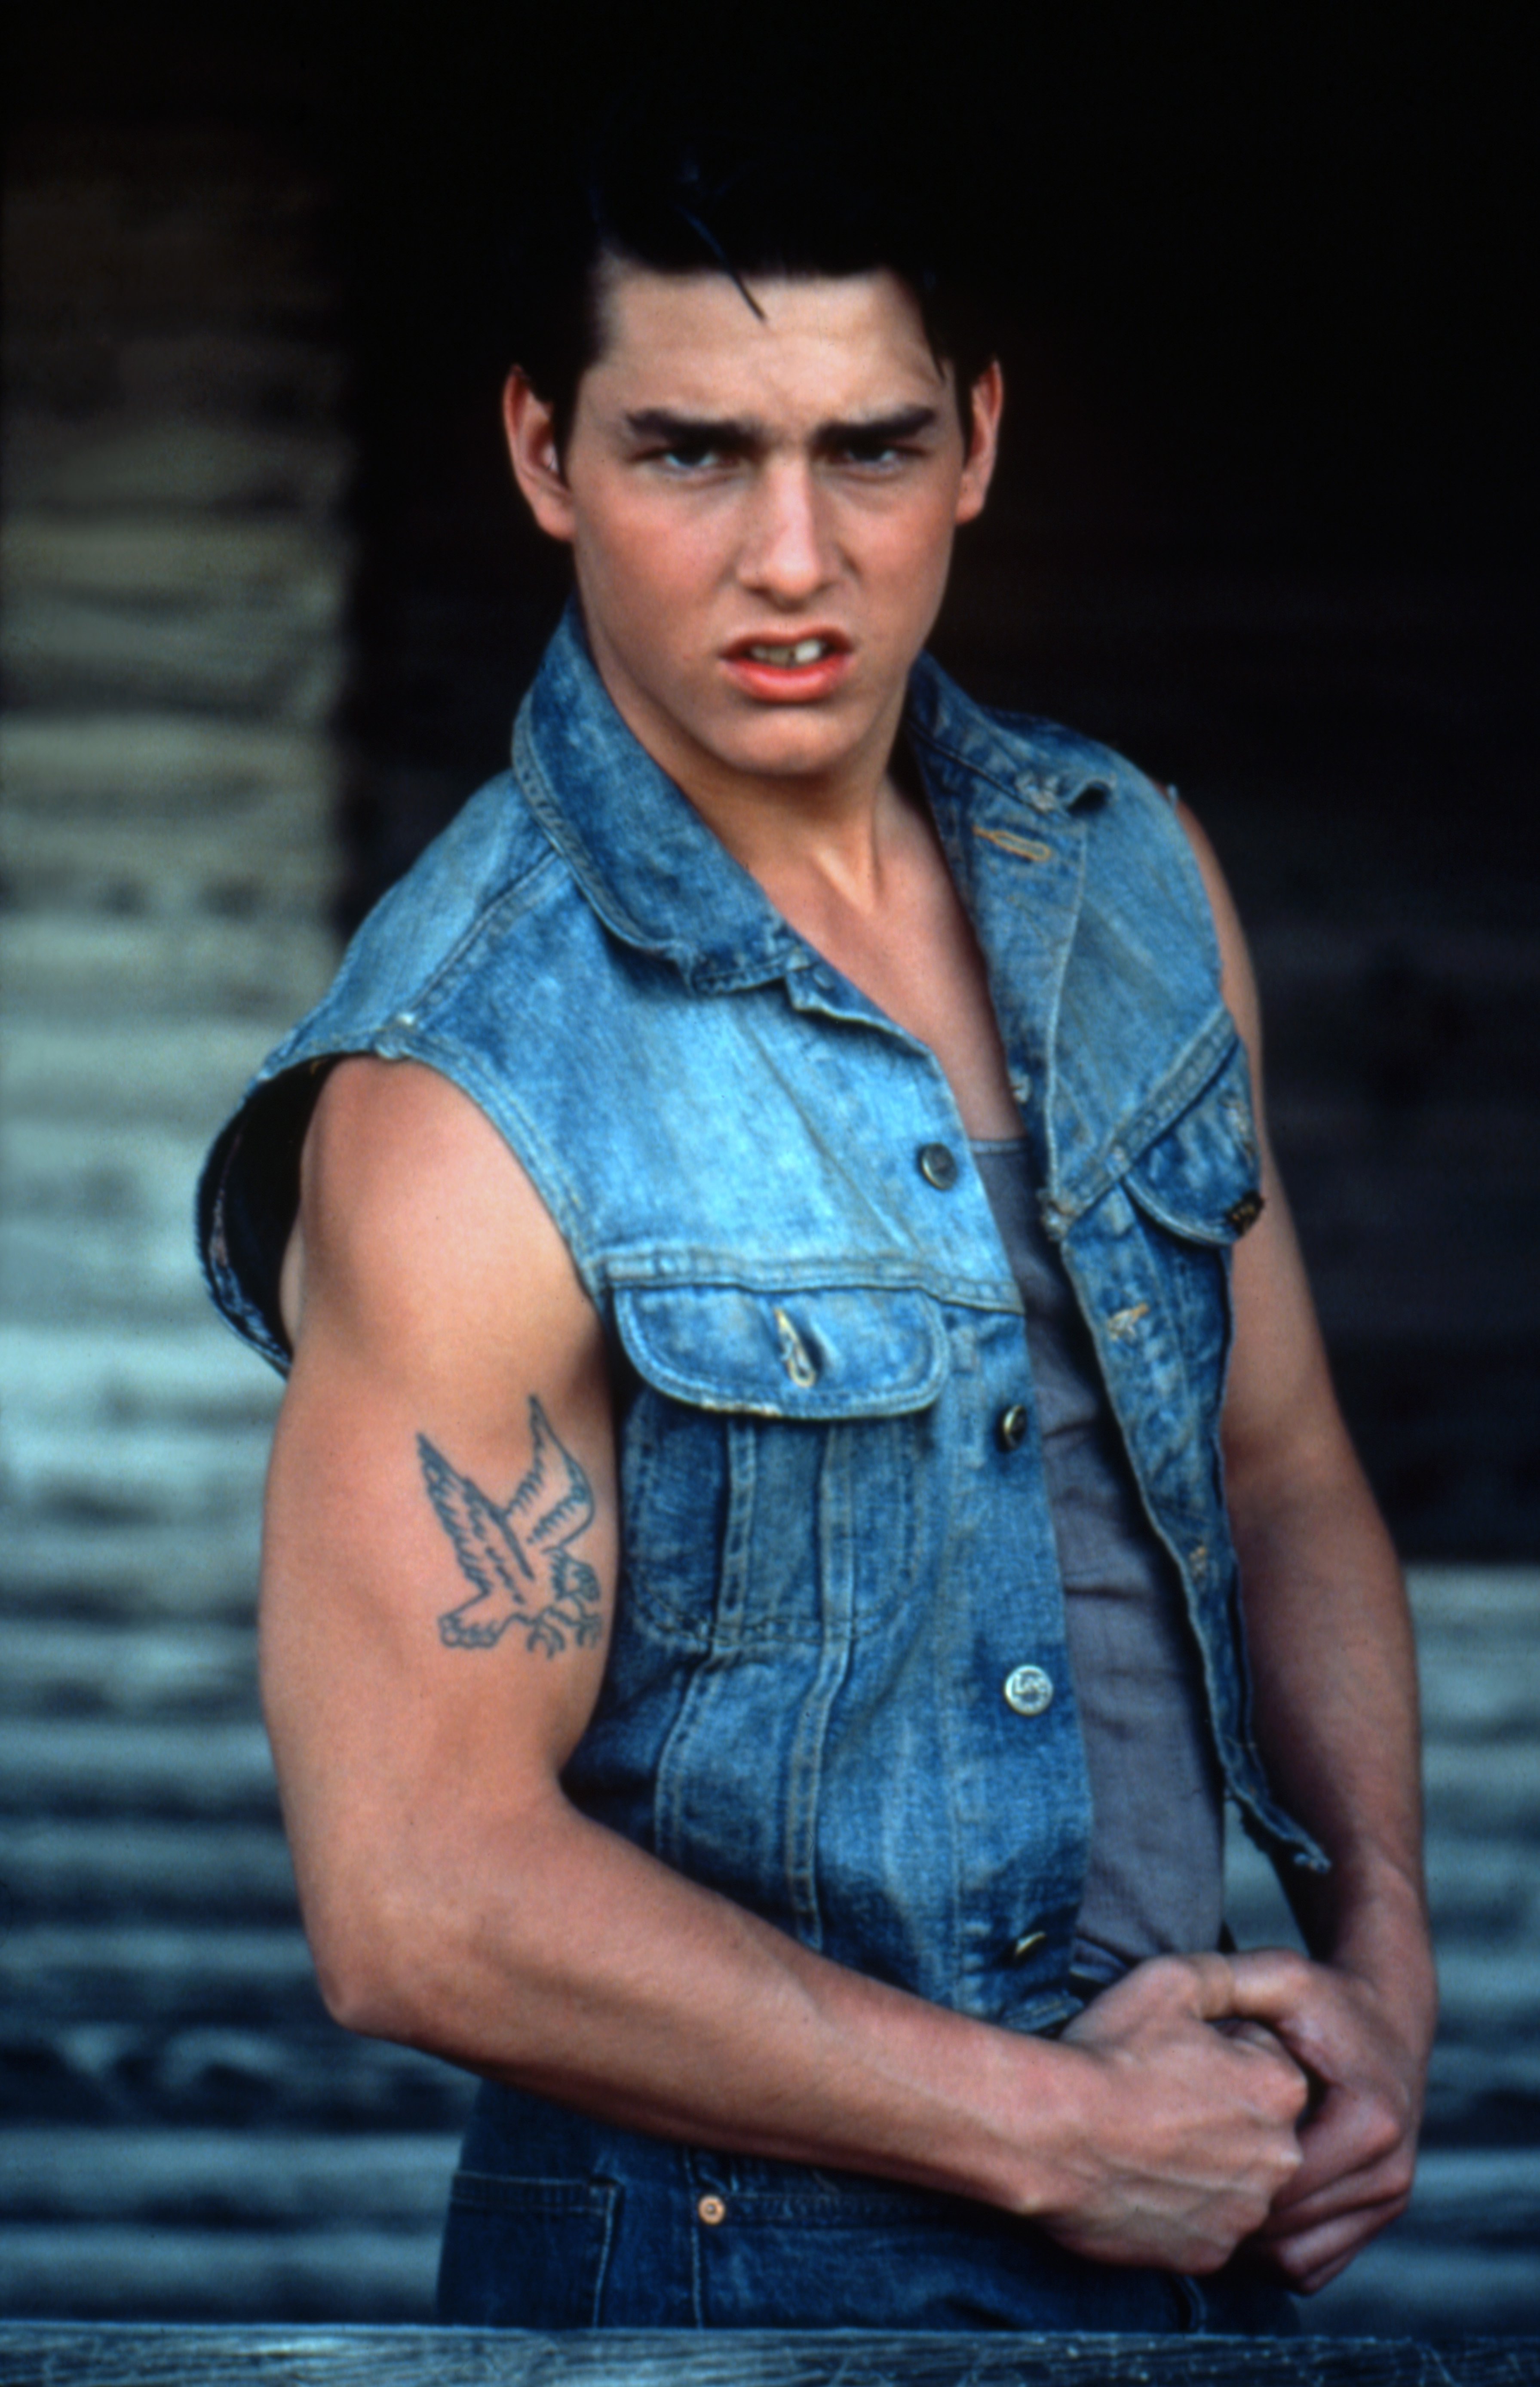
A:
(760, 176)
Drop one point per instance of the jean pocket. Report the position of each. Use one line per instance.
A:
(525, 2253)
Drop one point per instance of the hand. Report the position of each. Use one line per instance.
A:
(1366, 2063)
(1186, 2133)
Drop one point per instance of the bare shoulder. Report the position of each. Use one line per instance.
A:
(419, 1231)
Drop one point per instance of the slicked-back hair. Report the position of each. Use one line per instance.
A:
(788, 174)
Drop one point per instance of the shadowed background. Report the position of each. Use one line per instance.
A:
(1264, 523)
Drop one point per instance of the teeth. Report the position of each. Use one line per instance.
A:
(807, 651)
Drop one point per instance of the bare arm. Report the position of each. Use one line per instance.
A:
(446, 1361)
(1335, 1680)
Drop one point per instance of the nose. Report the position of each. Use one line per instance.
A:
(788, 553)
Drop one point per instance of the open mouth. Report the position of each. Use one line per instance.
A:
(790, 671)
(807, 651)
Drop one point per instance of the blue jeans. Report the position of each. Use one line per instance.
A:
(559, 2222)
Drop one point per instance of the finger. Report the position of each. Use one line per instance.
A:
(1252, 2034)
(1265, 1985)
(1309, 2258)
(1262, 2036)
(1382, 2189)
(1354, 2148)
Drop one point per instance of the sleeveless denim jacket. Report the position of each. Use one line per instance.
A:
(838, 1689)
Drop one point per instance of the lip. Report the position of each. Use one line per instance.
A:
(788, 683)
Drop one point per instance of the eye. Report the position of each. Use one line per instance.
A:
(687, 455)
(872, 455)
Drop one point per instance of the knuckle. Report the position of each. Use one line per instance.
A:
(1290, 2091)
(1297, 1973)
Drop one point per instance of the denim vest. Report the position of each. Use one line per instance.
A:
(837, 1689)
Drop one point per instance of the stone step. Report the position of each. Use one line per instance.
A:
(123, 1275)
(104, 1168)
(293, 2071)
(248, 654)
(216, 562)
(96, 1228)
(157, 460)
(200, 2176)
(155, 767)
(121, 1969)
(111, 2272)
(1465, 1602)
(134, 1474)
(164, 1767)
(93, 1869)
(1476, 1789)
(274, 863)
(1404, 2286)
(111, 1381)
(1481, 1887)
(131, 1667)
(188, 1073)
(90, 966)
(87, 1564)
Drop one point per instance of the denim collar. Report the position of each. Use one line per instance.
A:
(663, 881)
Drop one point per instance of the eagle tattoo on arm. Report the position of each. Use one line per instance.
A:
(518, 1557)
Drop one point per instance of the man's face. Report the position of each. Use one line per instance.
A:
(761, 513)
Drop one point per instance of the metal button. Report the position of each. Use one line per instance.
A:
(1021, 1949)
(1011, 1426)
(1245, 1212)
(1028, 1690)
(712, 2210)
(938, 1166)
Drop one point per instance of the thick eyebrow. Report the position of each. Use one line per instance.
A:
(746, 437)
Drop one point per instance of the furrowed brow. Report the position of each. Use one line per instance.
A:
(879, 430)
(661, 423)
(743, 436)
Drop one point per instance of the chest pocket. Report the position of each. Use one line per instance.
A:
(1201, 1178)
(822, 1354)
(770, 1453)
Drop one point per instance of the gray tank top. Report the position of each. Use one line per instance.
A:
(1155, 1878)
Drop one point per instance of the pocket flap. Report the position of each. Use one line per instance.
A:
(1202, 1175)
(826, 1352)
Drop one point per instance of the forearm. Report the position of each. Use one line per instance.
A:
(556, 1957)
(1335, 1702)
(1336, 1716)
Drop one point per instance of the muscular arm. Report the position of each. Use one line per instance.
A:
(449, 1388)
(1335, 1683)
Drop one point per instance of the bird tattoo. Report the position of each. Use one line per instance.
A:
(518, 1553)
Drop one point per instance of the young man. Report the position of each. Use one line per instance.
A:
(733, 1689)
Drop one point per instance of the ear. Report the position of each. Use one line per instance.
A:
(530, 432)
(987, 397)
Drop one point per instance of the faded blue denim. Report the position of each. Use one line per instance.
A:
(838, 1689)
